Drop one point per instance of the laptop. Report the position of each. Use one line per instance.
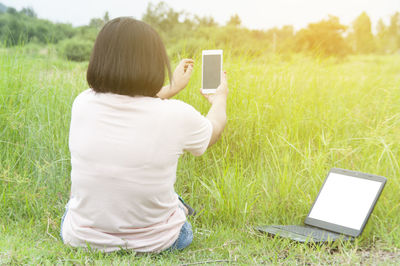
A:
(340, 211)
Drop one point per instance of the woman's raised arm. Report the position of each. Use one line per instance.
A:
(217, 112)
(180, 79)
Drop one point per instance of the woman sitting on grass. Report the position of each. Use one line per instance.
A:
(125, 141)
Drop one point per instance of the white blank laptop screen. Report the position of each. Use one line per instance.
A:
(345, 200)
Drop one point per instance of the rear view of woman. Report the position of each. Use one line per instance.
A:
(126, 137)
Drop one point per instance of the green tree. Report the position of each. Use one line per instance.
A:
(29, 12)
(234, 21)
(12, 11)
(175, 27)
(205, 21)
(24, 26)
(98, 23)
(3, 8)
(382, 37)
(394, 27)
(381, 28)
(362, 38)
(106, 17)
(76, 49)
(393, 32)
(281, 39)
(13, 29)
(162, 17)
(323, 38)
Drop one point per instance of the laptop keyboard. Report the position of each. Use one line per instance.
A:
(308, 231)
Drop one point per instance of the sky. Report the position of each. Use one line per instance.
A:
(255, 14)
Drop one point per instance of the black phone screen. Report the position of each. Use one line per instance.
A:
(211, 71)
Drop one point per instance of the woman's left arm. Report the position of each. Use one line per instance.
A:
(180, 79)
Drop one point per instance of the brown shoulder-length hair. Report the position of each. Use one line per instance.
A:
(128, 58)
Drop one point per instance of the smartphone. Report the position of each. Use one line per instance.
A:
(211, 70)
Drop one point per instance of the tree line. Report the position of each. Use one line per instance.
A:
(326, 37)
(189, 34)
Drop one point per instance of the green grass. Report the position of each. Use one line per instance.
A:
(290, 119)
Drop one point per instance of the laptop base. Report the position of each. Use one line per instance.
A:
(303, 234)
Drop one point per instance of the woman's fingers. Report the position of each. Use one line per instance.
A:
(206, 95)
(185, 63)
(188, 71)
(224, 82)
(223, 77)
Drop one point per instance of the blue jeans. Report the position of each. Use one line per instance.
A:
(62, 220)
(184, 239)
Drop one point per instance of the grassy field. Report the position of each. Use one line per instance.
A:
(290, 119)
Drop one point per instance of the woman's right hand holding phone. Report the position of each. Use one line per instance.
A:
(217, 112)
(221, 91)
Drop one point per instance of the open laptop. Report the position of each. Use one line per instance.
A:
(340, 211)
